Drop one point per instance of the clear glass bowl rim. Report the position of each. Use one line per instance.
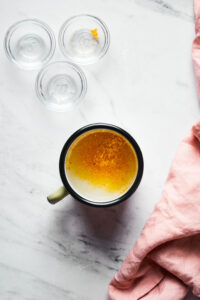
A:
(76, 68)
(17, 24)
(103, 50)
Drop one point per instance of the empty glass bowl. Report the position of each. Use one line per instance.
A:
(61, 85)
(84, 39)
(30, 43)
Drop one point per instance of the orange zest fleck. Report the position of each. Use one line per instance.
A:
(95, 34)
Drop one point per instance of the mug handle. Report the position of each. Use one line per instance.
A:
(57, 195)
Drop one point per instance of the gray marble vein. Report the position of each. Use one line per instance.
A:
(180, 9)
(31, 287)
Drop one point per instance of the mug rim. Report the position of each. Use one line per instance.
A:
(87, 128)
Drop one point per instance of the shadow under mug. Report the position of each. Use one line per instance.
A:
(67, 188)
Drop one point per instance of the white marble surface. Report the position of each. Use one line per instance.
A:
(146, 85)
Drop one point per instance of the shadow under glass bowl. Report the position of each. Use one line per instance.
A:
(30, 44)
(61, 86)
(84, 39)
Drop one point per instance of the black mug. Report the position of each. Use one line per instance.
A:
(67, 187)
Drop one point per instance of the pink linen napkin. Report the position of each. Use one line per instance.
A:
(165, 261)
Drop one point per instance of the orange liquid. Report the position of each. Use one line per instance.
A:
(104, 159)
